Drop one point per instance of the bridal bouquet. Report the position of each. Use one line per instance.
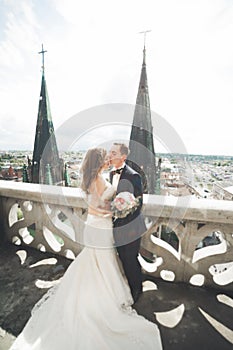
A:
(124, 204)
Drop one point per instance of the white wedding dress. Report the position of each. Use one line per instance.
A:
(90, 309)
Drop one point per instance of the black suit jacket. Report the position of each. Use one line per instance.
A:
(131, 227)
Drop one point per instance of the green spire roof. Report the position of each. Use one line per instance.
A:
(66, 177)
(48, 175)
(25, 174)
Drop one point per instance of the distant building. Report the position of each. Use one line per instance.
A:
(222, 191)
(141, 145)
(10, 174)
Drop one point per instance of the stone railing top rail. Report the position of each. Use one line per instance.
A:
(60, 195)
(188, 208)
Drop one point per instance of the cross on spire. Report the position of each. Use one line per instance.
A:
(144, 32)
(144, 49)
(43, 52)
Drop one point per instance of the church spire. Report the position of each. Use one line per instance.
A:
(141, 145)
(45, 146)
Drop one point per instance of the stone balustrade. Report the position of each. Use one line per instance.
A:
(188, 240)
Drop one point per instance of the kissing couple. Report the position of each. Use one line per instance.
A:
(92, 307)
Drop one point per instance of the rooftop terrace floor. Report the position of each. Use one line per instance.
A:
(181, 310)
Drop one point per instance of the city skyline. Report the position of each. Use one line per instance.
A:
(91, 60)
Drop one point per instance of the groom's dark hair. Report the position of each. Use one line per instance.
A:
(123, 148)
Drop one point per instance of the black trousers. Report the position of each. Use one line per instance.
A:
(128, 254)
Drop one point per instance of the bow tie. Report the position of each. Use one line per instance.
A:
(117, 171)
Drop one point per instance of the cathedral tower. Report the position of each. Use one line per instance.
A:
(45, 153)
(141, 145)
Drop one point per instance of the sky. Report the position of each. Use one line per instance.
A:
(94, 58)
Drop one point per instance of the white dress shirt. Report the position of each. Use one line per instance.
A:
(116, 177)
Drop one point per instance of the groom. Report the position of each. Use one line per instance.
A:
(128, 231)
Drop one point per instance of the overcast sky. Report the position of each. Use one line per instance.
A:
(95, 55)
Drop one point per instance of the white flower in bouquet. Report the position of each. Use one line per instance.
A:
(124, 204)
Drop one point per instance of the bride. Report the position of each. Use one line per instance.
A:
(91, 309)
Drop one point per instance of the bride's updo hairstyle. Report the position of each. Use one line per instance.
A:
(92, 164)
